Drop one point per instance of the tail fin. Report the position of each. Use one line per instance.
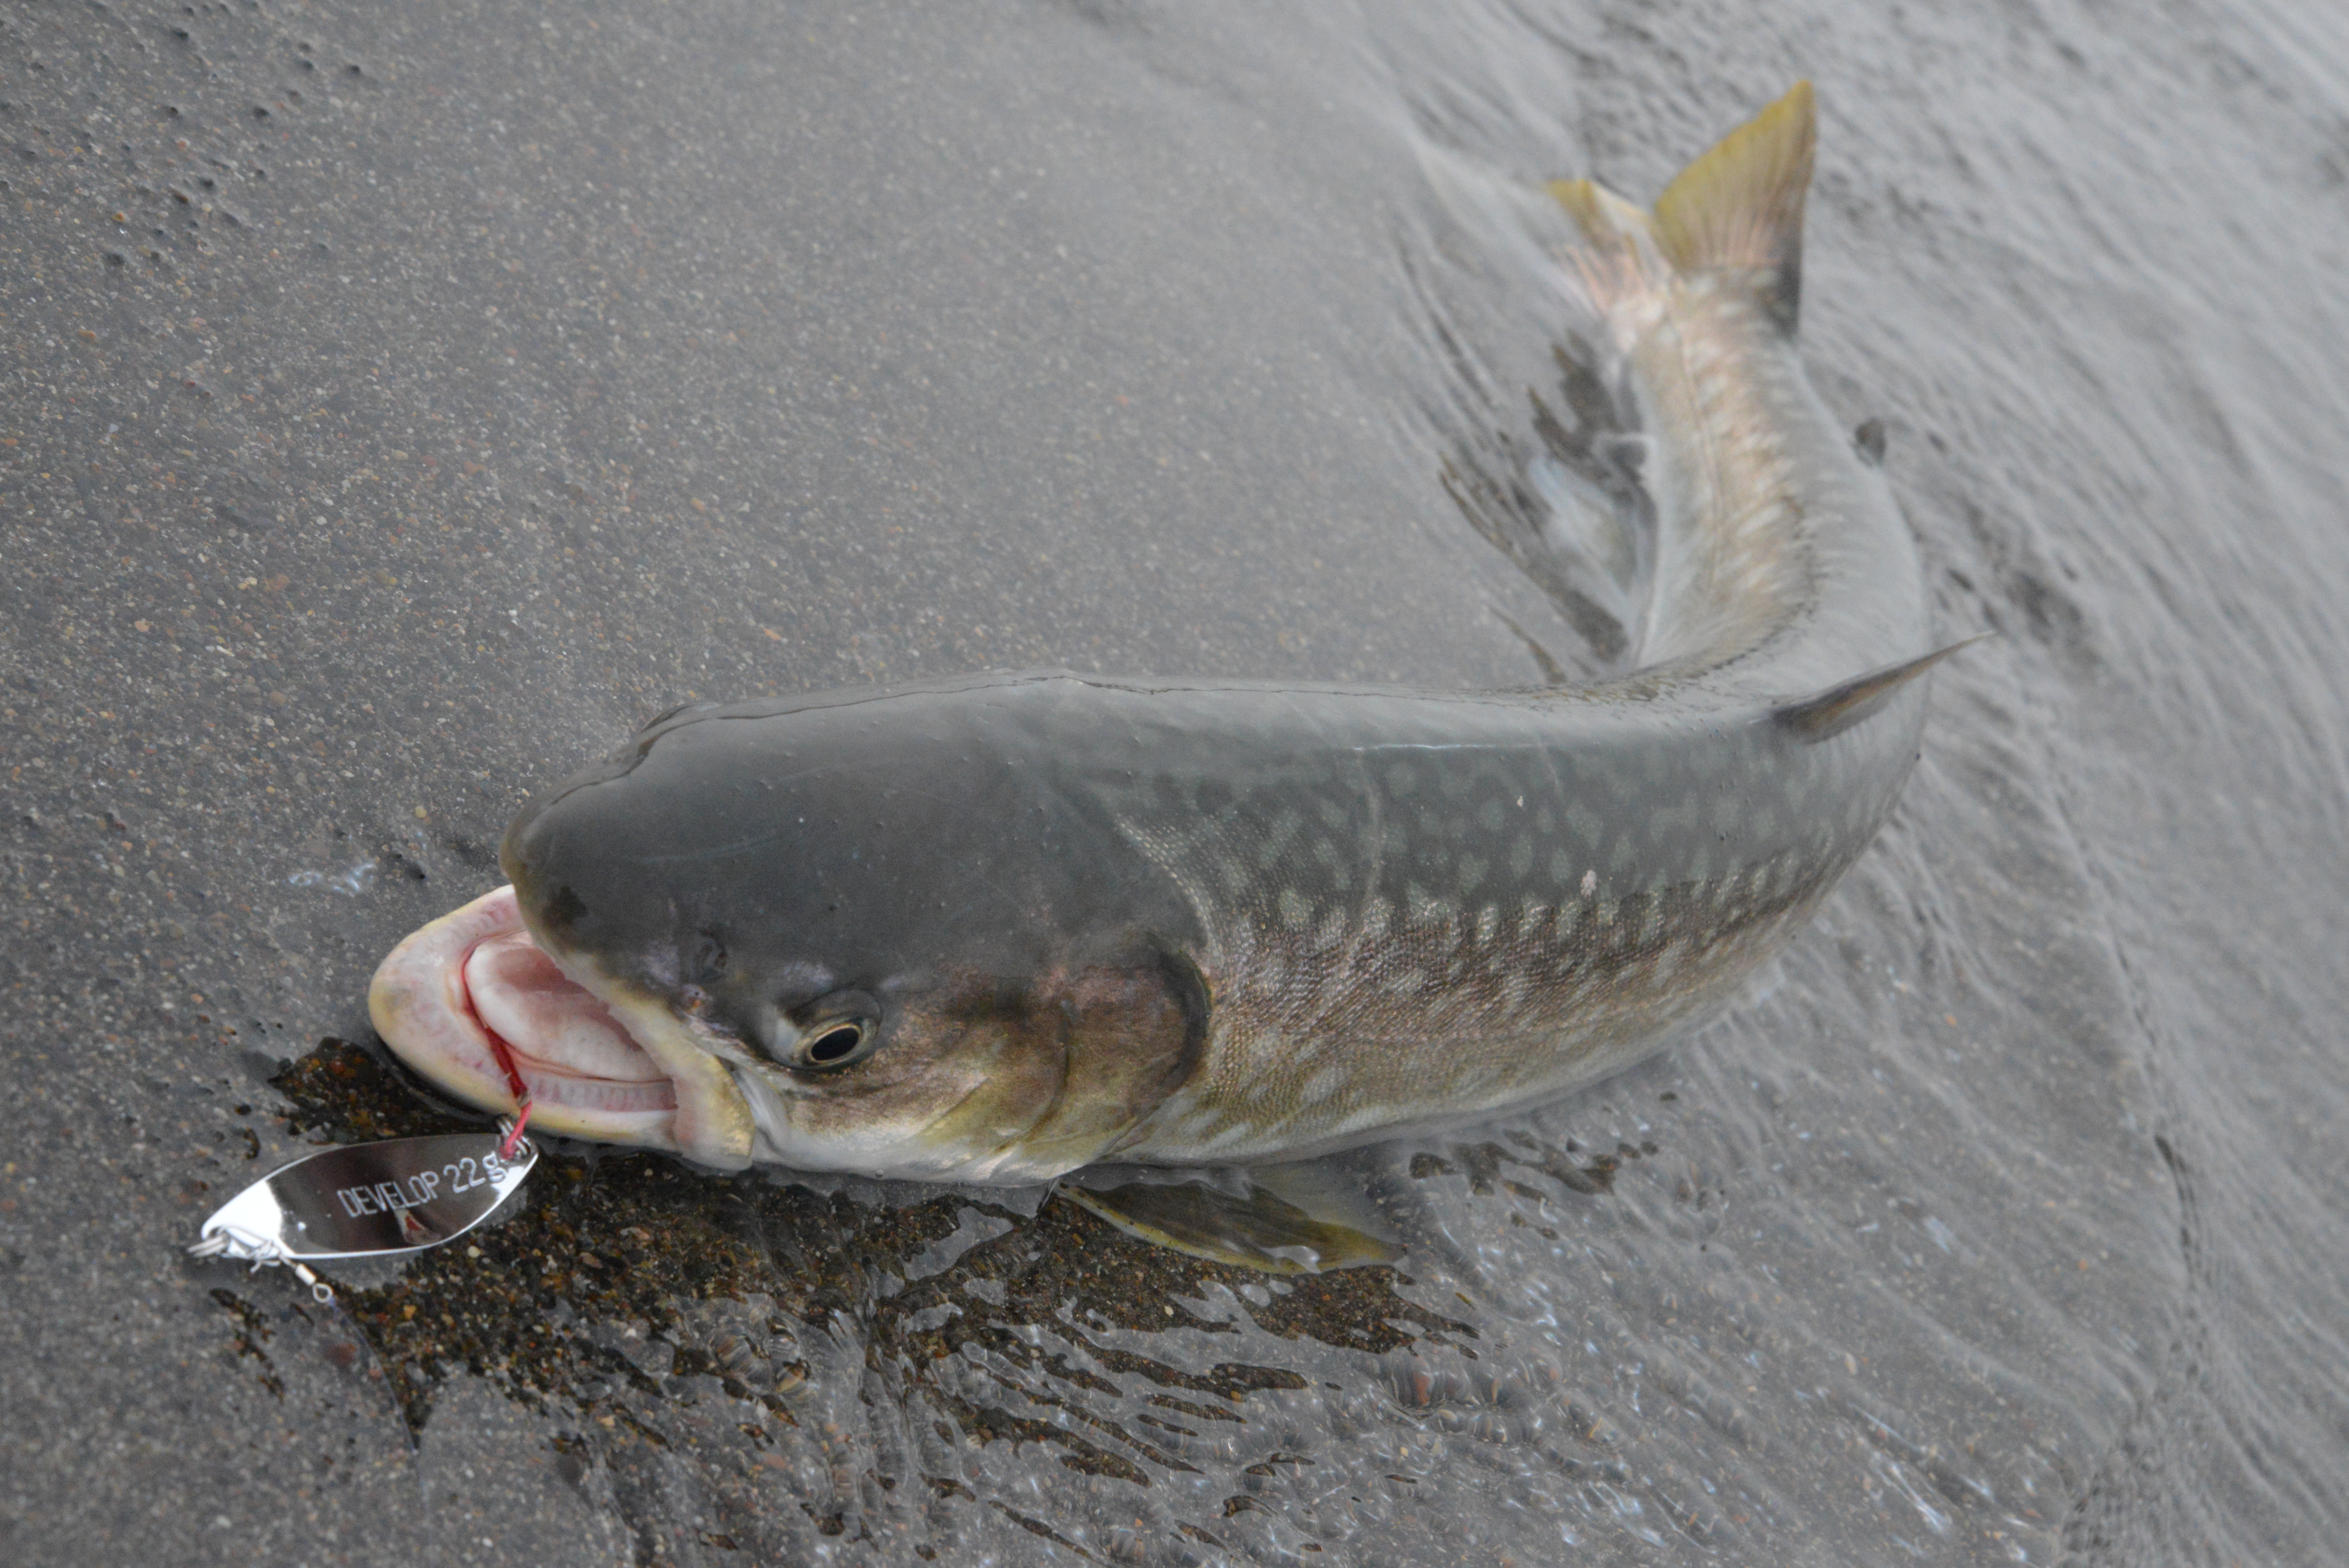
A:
(1739, 206)
(1604, 217)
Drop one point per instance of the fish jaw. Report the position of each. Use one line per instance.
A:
(440, 996)
(713, 1125)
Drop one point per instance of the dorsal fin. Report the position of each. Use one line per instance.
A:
(1838, 709)
(1741, 204)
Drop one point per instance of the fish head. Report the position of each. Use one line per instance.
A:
(838, 940)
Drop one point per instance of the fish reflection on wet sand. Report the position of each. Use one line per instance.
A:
(998, 928)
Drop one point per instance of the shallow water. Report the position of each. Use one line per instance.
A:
(462, 386)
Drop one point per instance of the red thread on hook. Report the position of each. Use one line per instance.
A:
(515, 1082)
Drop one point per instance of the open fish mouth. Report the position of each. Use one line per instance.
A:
(455, 990)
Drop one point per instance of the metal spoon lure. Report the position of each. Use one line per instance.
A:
(369, 1200)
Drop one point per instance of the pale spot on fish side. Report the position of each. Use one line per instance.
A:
(1513, 986)
(1237, 1132)
(1296, 908)
(1667, 962)
(1285, 827)
(1324, 1083)
(1488, 924)
(1590, 878)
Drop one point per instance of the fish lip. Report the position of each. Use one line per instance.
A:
(711, 1123)
(422, 1004)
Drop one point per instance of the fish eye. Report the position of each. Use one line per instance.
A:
(835, 1047)
(833, 1032)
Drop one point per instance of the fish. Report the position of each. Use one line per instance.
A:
(1008, 926)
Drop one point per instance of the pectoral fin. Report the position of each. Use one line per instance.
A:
(1238, 1218)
